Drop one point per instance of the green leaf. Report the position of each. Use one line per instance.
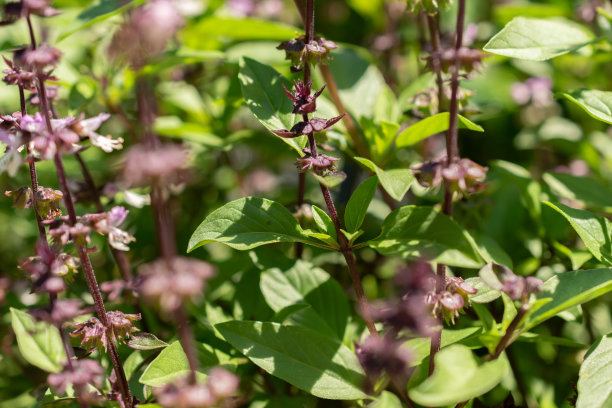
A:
(329, 180)
(458, 377)
(594, 231)
(420, 347)
(396, 182)
(567, 290)
(302, 282)
(586, 189)
(248, 223)
(418, 232)
(323, 221)
(172, 364)
(430, 126)
(173, 126)
(386, 400)
(595, 376)
(262, 89)
(598, 104)
(538, 39)
(242, 29)
(358, 204)
(379, 136)
(99, 12)
(40, 343)
(485, 293)
(359, 81)
(306, 359)
(145, 341)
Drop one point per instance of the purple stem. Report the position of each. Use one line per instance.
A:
(452, 152)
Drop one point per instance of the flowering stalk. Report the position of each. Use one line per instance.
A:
(452, 153)
(82, 251)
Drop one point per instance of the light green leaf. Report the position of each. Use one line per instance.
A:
(386, 400)
(40, 343)
(145, 341)
(101, 11)
(173, 126)
(586, 189)
(379, 136)
(458, 377)
(310, 361)
(420, 347)
(425, 232)
(242, 29)
(248, 223)
(323, 221)
(538, 39)
(485, 293)
(172, 364)
(594, 231)
(595, 376)
(567, 290)
(430, 126)
(598, 104)
(358, 204)
(329, 180)
(302, 282)
(262, 89)
(396, 182)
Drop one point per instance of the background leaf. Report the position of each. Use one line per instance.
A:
(430, 126)
(40, 343)
(598, 104)
(538, 39)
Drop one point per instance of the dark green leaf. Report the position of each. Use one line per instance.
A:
(418, 232)
(310, 361)
(538, 39)
(40, 343)
(248, 223)
(358, 204)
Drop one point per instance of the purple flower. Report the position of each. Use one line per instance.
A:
(241, 8)
(321, 164)
(143, 166)
(64, 310)
(316, 51)
(463, 177)
(108, 224)
(538, 90)
(384, 354)
(180, 393)
(82, 373)
(88, 127)
(12, 158)
(94, 335)
(170, 284)
(303, 101)
(306, 127)
(41, 58)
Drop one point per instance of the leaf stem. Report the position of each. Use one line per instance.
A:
(507, 339)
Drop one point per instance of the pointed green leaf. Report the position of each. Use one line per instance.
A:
(145, 341)
(248, 223)
(310, 361)
(567, 290)
(358, 204)
(40, 343)
(386, 400)
(323, 221)
(594, 390)
(598, 104)
(538, 39)
(396, 182)
(425, 232)
(594, 231)
(262, 89)
(458, 377)
(430, 126)
(172, 364)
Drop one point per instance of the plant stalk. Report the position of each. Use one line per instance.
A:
(452, 152)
